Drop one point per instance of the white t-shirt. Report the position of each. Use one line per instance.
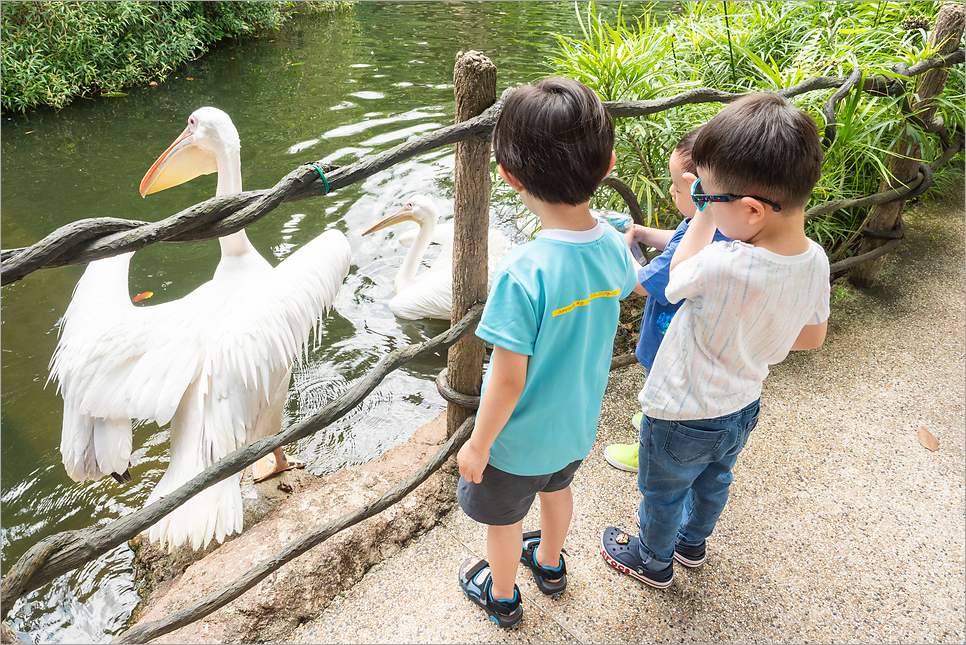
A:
(744, 307)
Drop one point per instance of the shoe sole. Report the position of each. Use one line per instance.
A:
(631, 572)
(690, 563)
(616, 464)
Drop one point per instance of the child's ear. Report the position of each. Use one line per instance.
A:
(756, 210)
(509, 179)
(690, 177)
(613, 162)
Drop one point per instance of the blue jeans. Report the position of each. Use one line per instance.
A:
(684, 472)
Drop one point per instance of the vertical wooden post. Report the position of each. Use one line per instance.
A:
(474, 80)
(903, 163)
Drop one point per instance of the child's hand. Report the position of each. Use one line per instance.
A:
(471, 461)
(636, 233)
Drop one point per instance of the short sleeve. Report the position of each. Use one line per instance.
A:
(509, 318)
(688, 278)
(630, 281)
(654, 276)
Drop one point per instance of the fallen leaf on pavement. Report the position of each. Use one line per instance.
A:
(927, 440)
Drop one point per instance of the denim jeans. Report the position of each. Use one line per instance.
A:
(684, 472)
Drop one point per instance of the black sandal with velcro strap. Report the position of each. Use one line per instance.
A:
(549, 581)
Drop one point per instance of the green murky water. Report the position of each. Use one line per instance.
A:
(335, 88)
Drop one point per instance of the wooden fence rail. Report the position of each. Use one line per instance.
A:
(92, 239)
(97, 238)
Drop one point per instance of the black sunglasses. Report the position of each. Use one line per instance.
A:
(702, 199)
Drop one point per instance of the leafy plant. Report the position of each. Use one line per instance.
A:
(761, 46)
(53, 51)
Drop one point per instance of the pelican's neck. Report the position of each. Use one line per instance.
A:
(230, 183)
(407, 272)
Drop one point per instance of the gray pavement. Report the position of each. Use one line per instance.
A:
(841, 527)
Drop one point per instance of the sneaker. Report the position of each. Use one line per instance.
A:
(622, 551)
(689, 556)
(636, 421)
(622, 456)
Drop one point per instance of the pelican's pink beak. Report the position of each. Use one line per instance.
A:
(181, 162)
(404, 214)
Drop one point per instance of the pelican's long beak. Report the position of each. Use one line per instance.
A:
(181, 162)
(404, 214)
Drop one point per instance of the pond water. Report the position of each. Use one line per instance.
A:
(332, 87)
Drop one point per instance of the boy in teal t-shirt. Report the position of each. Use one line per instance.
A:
(551, 315)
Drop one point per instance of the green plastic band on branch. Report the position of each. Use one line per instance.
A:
(322, 175)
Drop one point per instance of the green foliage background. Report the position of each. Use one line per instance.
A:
(752, 46)
(55, 51)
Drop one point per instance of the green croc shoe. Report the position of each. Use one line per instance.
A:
(622, 456)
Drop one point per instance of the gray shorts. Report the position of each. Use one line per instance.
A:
(502, 498)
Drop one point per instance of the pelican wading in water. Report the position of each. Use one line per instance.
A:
(216, 364)
(430, 293)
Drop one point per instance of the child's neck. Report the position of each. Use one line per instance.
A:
(784, 234)
(563, 216)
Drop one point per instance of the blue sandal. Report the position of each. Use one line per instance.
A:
(476, 584)
(549, 581)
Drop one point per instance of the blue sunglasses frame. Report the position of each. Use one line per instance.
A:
(702, 199)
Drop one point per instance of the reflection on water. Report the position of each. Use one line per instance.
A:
(331, 88)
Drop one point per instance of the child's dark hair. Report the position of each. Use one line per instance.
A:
(556, 138)
(684, 150)
(763, 145)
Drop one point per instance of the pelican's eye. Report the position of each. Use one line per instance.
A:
(409, 205)
(192, 121)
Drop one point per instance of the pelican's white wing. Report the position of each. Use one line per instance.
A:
(115, 362)
(263, 332)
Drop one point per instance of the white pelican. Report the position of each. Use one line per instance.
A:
(215, 364)
(429, 294)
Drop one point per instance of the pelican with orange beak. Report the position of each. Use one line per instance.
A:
(215, 364)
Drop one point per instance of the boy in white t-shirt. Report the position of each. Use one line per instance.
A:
(746, 304)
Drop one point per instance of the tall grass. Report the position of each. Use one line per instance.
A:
(748, 46)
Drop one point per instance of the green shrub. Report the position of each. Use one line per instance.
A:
(749, 46)
(54, 51)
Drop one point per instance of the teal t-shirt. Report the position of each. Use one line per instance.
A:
(557, 300)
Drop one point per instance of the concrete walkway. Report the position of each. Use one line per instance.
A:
(841, 527)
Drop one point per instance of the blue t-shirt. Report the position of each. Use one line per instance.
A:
(658, 312)
(557, 300)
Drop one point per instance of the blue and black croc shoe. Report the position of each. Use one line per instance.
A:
(622, 551)
(549, 581)
(476, 583)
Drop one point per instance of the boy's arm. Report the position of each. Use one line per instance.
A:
(700, 234)
(508, 374)
(811, 336)
(657, 238)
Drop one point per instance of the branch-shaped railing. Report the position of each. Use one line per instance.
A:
(93, 239)
(97, 238)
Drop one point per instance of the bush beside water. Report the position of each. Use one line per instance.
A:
(53, 52)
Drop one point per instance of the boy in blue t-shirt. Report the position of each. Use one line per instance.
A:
(551, 316)
(652, 280)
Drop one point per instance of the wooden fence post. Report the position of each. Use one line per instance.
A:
(903, 163)
(474, 80)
